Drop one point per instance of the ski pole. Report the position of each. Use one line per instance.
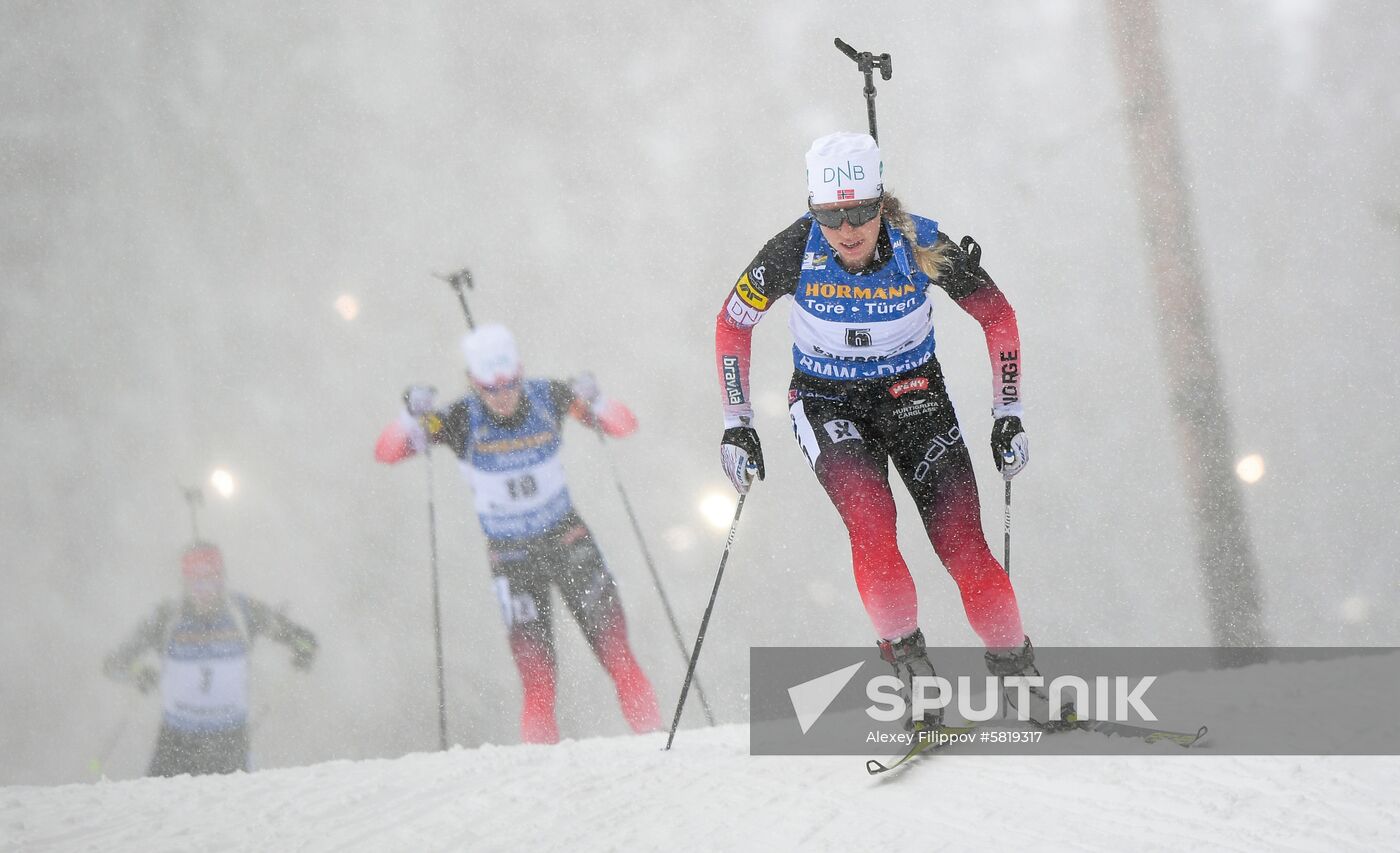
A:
(437, 607)
(655, 576)
(1006, 459)
(458, 280)
(1006, 548)
(867, 62)
(99, 764)
(705, 621)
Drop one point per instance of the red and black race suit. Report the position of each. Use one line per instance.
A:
(850, 430)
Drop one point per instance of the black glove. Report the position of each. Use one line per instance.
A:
(742, 457)
(419, 400)
(1011, 447)
(585, 388)
(304, 652)
(146, 678)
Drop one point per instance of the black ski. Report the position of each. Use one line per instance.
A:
(924, 740)
(1104, 727)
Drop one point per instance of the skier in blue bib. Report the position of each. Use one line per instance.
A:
(202, 642)
(868, 394)
(506, 435)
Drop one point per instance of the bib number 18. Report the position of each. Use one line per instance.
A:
(522, 487)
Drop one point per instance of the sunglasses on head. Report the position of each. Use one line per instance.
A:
(857, 216)
(502, 384)
(203, 587)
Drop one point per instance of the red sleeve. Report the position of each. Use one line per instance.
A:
(772, 275)
(612, 417)
(397, 442)
(733, 347)
(990, 308)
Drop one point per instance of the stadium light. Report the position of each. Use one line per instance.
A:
(1250, 469)
(718, 509)
(221, 479)
(347, 306)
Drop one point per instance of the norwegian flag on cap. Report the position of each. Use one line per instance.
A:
(844, 166)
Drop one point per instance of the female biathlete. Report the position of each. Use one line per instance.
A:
(868, 390)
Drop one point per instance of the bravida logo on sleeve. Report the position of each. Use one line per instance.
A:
(733, 390)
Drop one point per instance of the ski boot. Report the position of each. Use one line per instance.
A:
(1021, 662)
(909, 658)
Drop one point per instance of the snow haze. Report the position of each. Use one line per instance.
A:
(218, 224)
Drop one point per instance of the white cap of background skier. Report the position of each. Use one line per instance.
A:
(493, 365)
(492, 359)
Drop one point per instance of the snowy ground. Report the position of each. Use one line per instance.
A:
(709, 794)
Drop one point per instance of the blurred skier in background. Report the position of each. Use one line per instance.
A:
(867, 390)
(202, 642)
(506, 434)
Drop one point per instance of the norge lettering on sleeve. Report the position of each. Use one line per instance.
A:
(1010, 374)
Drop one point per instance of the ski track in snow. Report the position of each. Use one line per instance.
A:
(710, 794)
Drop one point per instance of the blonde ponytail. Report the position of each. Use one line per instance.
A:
(932, 260)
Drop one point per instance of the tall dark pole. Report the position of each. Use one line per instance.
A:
(194, 498)
(705, 621)
(1193, 374)
(458, 280)
(655, 576)
(437, 601)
